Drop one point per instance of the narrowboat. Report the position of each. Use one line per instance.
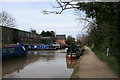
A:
(71, 56)
(75, 54)
(40, 47)
(37, 46)
(57, 46)
(74, 51)
(13, 51)
(51, 47)
(71, 53)
(62, 46)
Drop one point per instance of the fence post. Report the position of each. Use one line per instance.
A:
(107, 51)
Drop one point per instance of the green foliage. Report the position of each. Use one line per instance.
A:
(112, 62)
(48, 33)
(69, 40)
(104, 45)
(107, 31)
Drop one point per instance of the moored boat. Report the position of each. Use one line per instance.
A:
(57, 46)
(62, 46)
(73, 52)
(71, 56)
(40, 47)
(13, 51)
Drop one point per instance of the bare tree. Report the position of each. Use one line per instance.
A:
(63, 5)
(85, 39)
(7, 20)
(78, 38)
(72, 4)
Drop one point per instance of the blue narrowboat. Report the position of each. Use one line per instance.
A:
(42, 47)
(13, 51)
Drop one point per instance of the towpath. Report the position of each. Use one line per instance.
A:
(91, 67)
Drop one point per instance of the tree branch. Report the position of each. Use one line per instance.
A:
(63, 5)
(7, 20)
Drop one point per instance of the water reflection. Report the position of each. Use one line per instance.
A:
(71, 63)
(9, 66)
(39, 64)
(17, 64)
(47, 55)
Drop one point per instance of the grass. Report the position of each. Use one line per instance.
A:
(112, 62)
(76, 69)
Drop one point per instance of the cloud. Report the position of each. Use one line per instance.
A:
(28, 15)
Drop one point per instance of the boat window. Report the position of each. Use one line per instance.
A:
(11, 50)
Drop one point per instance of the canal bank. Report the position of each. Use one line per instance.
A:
(75, 71)
(76, 68)
(89, 66)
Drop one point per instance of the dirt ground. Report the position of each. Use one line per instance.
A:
(91, 67)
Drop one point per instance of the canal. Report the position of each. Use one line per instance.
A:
(39, 64)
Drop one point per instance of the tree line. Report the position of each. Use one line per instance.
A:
(106, 32)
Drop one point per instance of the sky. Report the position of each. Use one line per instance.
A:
(28, 15)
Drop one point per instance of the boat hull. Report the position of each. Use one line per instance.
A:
(13, 51)
(71, 56)
(40, 47)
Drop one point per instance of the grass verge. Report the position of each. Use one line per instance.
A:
(112, 62)
(76, 69)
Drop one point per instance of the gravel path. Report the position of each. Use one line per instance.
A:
(91, 67)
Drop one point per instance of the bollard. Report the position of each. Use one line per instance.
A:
(107, 51)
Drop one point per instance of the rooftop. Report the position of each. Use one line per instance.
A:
(60, 36)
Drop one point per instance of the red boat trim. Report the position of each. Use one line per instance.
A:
(69, 57)
(72, 57)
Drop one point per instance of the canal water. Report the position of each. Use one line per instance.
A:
(39, 64)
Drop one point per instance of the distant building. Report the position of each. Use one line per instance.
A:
(61, 39)
(13, 36)
(47, 40)
(7, 35)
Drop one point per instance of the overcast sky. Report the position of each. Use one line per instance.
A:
(28, 15)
